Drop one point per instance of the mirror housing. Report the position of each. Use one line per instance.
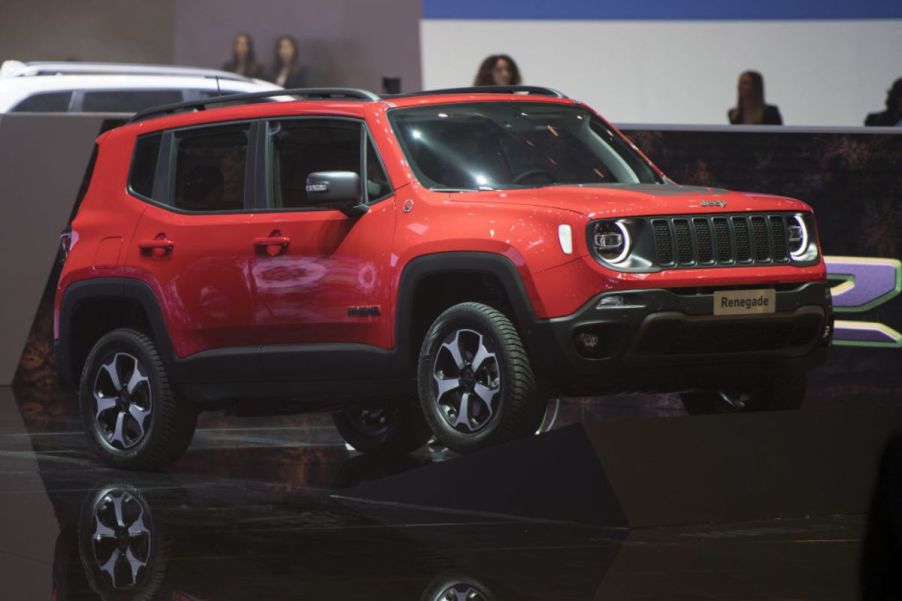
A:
(340, 189)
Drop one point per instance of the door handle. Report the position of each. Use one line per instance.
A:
(158, 247)
(274, 244)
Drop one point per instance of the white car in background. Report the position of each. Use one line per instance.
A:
(75, 87)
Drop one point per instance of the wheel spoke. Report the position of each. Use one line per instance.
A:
(445, 385)
(118, 434)
(110, 566)
(486, 395)
(112, 372)
(101, 530)
(136, 379)
(453, 347)
(463, 413)
(140, 416)
(138, 527)
(103, 403)
(134, 564)
(117, 510)
(482, 355)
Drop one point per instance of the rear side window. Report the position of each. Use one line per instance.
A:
(127, 101)
(49, 102)
(210, 168)
(144, 165)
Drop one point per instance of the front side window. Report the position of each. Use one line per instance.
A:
(504, 145)
(299, 147)
(127, 101)
(210, 165)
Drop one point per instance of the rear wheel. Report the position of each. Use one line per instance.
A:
(127, 408)
(476, 385)
(388, 429)
(781, 390)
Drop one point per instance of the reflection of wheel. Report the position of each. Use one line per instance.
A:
(127, 408)
(124, 553)
(778, 391)
(451, 586)
(389, 429)
(475, 382)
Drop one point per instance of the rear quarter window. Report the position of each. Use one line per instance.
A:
(144, 165)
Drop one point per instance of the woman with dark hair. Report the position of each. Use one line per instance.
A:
(750, 107)
(892, 116)
(498, 70)
(243, 61)
(286, 72)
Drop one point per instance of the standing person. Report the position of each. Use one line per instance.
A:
(892, 116)
(286, 72)
(750, 107)
(243, 61)
(498, 70)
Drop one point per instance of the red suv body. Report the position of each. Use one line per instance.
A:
(351, 252)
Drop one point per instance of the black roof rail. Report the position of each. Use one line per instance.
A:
(529, 90)
(305, 93)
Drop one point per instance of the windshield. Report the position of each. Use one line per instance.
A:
(503, 145)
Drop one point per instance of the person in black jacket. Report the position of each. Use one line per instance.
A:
(892, 116)
(286, 71)
(750, 107)
(243, 61)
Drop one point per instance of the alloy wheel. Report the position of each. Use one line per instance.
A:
(121, 538)
(123, 402)
(467, 380)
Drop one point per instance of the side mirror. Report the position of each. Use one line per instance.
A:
(340, 189)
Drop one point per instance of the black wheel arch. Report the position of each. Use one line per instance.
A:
(101, 293)
(427, 269)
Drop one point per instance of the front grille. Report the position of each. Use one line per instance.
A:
(720, 240)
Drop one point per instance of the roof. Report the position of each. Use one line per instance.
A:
(36, 69)
(354, 95)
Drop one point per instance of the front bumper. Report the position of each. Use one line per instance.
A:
(659, 339)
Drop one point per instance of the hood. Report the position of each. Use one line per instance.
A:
(620, 200)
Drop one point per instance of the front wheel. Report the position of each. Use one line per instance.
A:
(128, 410)
(476, 384)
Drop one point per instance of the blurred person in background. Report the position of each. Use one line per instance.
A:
(498, 70)
(286, 72)
(243, 61)
(750, 107)
(892, 116)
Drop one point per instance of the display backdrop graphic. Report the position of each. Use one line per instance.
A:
(851, 178)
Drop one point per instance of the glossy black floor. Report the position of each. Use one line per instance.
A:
(256, 511)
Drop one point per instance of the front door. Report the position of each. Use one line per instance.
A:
(321, 277)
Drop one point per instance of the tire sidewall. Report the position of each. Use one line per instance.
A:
(106, 347)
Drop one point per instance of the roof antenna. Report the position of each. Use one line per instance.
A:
(218, 89)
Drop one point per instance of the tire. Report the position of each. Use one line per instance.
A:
(144, 428)
(388, 430)
(781, 390)
(500, 395)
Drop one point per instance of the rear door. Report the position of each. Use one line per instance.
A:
(193, 244)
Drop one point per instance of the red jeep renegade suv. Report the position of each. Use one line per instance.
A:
(428, 264)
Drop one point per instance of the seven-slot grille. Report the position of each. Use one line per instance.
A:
(721, 239)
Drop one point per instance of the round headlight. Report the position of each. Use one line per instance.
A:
(612, 241)
(797, 237)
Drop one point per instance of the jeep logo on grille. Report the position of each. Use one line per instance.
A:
(714, 203)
